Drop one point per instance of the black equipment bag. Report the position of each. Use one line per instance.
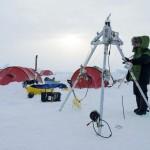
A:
(50, 96)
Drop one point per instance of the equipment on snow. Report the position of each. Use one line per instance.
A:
(50, 96)
(96, 119)
(45, 90)
(95, 116)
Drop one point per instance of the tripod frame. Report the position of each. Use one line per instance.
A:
(106, 37)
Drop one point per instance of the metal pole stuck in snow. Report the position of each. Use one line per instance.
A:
(36, 58)
(123, 108)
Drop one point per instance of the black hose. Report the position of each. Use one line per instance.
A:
(101, 134)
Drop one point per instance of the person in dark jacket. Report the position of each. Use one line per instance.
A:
(141, 70)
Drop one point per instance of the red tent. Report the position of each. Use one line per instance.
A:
(91, 79)
(18, 74)
(46, 73)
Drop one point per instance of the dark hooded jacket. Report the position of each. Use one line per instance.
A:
(141, 61)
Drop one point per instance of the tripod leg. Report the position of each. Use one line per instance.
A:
(76, 81)
(102, 88)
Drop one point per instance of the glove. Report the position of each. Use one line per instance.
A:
(128, 65)
(126, 60)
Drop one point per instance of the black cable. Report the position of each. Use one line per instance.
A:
(95, 118)
(100, 134)
(85, 95)
(81, 99)
(74, 94)
(87, 89)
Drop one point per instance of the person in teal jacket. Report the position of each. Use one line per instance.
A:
(141, 70)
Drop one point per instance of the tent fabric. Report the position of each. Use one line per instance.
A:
(46, 73)
(91, 79)
(18, 74)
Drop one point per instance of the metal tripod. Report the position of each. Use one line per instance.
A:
(106, 37)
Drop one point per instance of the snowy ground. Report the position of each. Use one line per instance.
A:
(29, 124)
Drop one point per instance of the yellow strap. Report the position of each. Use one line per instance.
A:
(76, 103)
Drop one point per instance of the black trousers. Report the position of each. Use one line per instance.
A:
(141, 104)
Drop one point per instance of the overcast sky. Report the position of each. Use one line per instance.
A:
(60, 31)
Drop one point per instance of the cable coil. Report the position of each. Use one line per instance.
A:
(97, 121)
